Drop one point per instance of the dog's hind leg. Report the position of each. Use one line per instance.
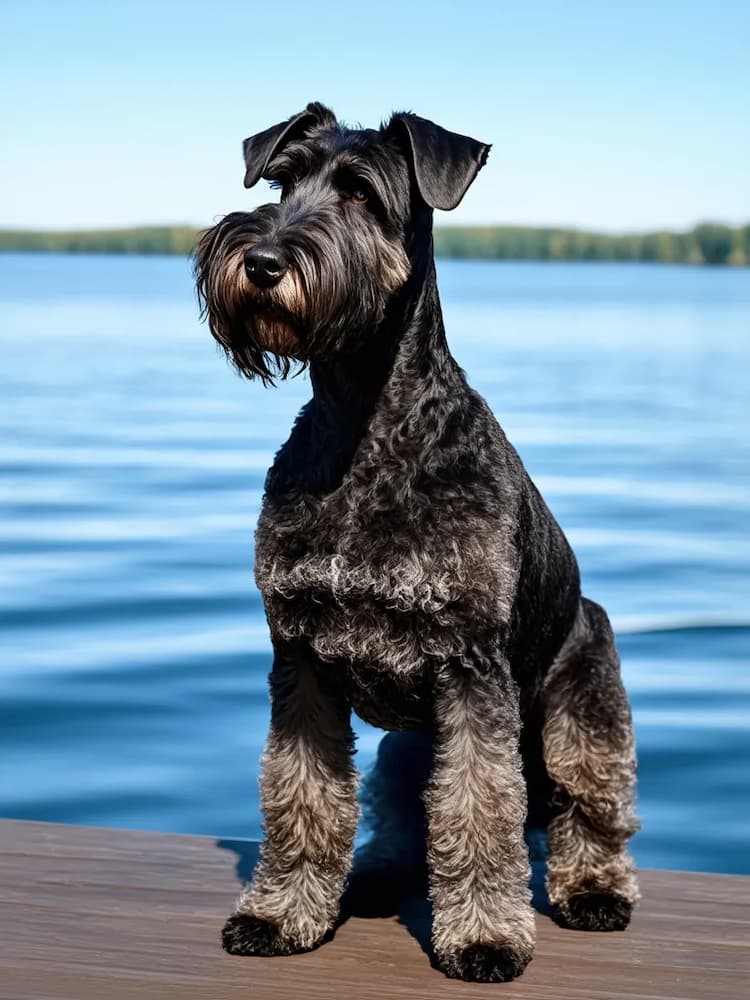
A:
(308, 795)
(589, 753)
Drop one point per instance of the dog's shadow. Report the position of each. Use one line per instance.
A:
(389, 874)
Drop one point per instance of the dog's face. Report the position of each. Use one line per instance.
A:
(313, 275)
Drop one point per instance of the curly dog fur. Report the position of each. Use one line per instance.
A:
(409, 568)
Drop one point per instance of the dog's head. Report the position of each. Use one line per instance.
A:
(314, 274)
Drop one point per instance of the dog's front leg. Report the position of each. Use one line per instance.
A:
(308, 795)
(483, 924)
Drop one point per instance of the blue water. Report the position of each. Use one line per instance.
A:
(134, 647)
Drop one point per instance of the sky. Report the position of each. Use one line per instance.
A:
(605, 115)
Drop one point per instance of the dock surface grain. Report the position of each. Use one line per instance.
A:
(114, 914)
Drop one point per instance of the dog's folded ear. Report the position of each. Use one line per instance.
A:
(260, 149)
(445, 163)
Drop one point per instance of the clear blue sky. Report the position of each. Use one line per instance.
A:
(609, 115)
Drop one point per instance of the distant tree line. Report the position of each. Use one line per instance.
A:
(708, 243)
(140, 240)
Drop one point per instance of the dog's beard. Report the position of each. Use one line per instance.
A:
(327, 302)
(277, 318)
(263, 331)
(276, 332)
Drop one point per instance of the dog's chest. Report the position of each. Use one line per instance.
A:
(391, 588)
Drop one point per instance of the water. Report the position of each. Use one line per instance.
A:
(134, 646)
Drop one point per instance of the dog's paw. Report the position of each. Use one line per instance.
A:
(244, 934)
(595, 911)
(484, 963)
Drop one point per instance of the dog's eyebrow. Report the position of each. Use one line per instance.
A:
(299, 159)
(351, 161)
(295, 160)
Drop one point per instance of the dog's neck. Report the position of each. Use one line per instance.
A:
(389, 371)
(347, 389)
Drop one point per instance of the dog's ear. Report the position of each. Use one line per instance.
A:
(260, 149)
(445, 163)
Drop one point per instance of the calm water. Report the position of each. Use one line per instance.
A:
(134, 647)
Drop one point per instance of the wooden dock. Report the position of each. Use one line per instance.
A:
(112, 914)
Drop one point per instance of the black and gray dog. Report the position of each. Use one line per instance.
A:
(409, 568)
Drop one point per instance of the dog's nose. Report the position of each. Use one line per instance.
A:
(264, 266)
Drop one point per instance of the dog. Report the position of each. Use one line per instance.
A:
(410, 570)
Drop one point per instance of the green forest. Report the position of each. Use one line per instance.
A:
(707, 243)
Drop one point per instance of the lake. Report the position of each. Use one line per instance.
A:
(134, 646)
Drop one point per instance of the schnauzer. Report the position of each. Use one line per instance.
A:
(409, 568)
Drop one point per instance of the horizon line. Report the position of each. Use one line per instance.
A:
(440, 224)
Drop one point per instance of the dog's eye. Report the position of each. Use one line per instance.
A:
(354, 189)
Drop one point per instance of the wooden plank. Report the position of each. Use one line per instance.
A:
(113, 915)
